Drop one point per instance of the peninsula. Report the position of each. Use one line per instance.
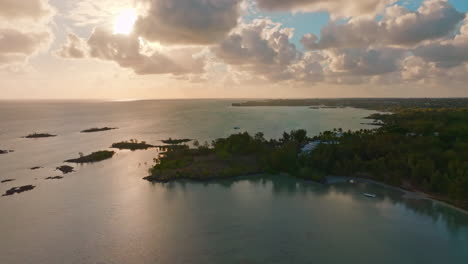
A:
(423, 149)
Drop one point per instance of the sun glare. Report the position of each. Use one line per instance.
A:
(125, 21)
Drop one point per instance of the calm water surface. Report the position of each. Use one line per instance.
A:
(105, 212)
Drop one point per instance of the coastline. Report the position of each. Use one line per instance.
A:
(409, 194)
(329, 180)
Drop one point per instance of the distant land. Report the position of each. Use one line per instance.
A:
(381, 104)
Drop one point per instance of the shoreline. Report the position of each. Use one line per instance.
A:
(329, 180)
(410, 194)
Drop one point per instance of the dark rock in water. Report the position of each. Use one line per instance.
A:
(95, 129)
(93, 157)
(54, 178)
(132, 145)
(5, 151)
(7, 180)
(171, 141)
(65, 169)
(36, 168)
(19, 190)
(39, 135)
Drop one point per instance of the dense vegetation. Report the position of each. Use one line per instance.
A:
(423, 149)
(133, 144)
(239, 154)
(93, 157)
(419, 149)
(95, 129)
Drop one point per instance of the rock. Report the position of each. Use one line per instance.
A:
(65, 169)
(19, 189)
(7, 180)
(95, 129)
(54, 178)
(36, 168)
(93, 157)
(40, 135)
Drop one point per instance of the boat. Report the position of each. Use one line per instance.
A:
(369, 195)
(351, 181)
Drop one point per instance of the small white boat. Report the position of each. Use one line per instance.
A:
(351, 181)
(369, 195)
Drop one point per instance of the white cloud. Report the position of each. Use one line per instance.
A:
(24, 30)
(263, 48)
(74, 48)
(98, 13)
(399, 28)
(128, 52)
(364, 61)
(337, 8)
(24, 9)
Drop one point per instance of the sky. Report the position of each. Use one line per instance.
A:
(157, 49)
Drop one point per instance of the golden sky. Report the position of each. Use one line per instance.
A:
(145, 49)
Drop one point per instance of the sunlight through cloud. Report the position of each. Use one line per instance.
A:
(125, 21)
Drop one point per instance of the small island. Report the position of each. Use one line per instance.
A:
(54, 178)
(20, 189)
(132, 144)
(7, 180)
(65, 169)
(93, 157)
(171, 141)
(95, 129)
(39, 135)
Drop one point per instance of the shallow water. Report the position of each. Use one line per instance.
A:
(106, 213)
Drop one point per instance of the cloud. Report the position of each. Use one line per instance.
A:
(14, 41)
(205, 40)
(447, 53)
(97, 13)
(399, 27)
(364, 61)
(337, 8)
(129, 52)
(415, 69)
(263, 48)
(74, 48)
(30, 9)
(188, 21)
(24, 30)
